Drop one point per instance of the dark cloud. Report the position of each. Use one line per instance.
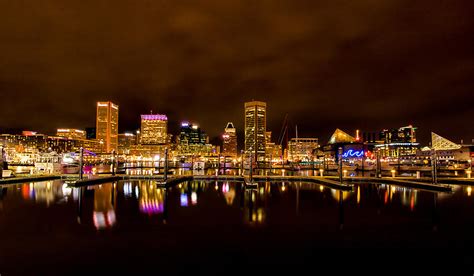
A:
(365, 64)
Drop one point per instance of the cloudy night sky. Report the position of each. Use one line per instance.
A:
(366, 64)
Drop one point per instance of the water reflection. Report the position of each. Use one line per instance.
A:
(98, 207)
(3, 193)
(151, 198)
(104, 212)
(46, 192)
(229, 193)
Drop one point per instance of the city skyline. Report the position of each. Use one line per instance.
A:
(174, 129)
(236, 136)
(360, 68)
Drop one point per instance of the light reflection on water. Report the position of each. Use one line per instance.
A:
(291, 215)
(253, 204)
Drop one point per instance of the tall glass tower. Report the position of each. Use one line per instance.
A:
(255, 128)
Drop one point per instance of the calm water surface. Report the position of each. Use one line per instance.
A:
(221, 228)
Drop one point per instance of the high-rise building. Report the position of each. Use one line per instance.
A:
(192, 140)
(405, 134)
(398, 142)
(107, 125)
(255, 128)
(191, 135)
(154, 129)
(229, 144)
(71, 133)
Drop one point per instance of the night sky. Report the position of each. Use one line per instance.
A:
(366, 64)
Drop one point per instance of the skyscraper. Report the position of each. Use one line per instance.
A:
(230, 140)
(255, 128)
(107, 125)
(154, 129)
(191, 135)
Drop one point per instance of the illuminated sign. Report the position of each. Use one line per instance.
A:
(353, 153)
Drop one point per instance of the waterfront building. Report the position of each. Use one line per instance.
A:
(42, 143)
(398, 142)
(255, 127)
(71, 133)
(351, 148)
(191, 134)
(272, 151)
(107, 125)
(154, 129)
(229, 145)
(446, 151)
(193, 141)
(339, 137)
(125, 141)
(405, 134)
(27, 142)
(302, 149)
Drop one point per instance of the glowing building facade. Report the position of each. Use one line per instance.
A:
(154, 129)
(71, 133)
(255, 128)
(107, 125)
(398, 142)
(229, 145)
(302, 149)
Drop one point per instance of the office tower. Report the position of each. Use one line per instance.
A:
(191, 135)
(71, 133)
(405, 134)
(107, 125)
(154, 129)
(230, 141)
(255, 128)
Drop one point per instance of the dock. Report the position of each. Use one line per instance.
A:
(402, 182)
(444, 184)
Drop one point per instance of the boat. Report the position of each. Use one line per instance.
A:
(70, 163)
(47, 163)
(53, 163)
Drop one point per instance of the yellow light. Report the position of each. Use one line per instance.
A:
(358, 195)
(321, 188)
(469, 190)
(283, 188)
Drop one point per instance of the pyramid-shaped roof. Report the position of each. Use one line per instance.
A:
(340, 136)
(440, 143)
